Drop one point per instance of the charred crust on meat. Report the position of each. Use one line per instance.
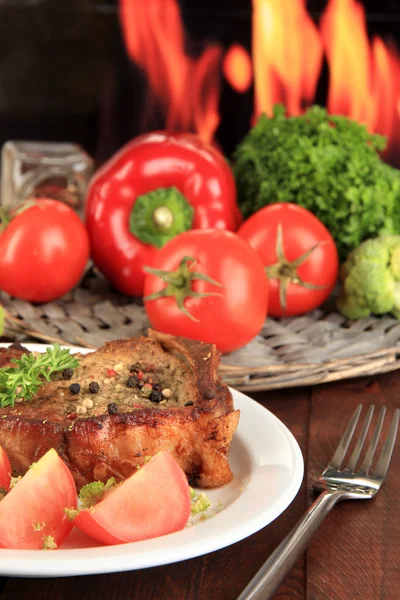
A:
(17, 346)
(97, 443)
(193, 476)
(7, 355)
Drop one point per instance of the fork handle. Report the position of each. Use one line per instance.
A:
(273, 572)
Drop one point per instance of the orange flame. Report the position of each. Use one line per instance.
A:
(187, 88)
(287, 55)
(237, 68)
(364, 77)
(348, 53)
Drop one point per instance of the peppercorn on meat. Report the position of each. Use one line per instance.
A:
(125, 402)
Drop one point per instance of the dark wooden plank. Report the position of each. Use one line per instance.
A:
(356, 552)
(228, 572)
(220, 575)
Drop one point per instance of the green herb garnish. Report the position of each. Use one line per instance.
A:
(30, 372)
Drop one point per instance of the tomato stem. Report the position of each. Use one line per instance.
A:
(179, 284)
(286, 270)
(22, 207)
(4, 218)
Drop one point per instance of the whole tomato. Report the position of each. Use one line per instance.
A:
(299, 255)
(207, 285)
(43, 251)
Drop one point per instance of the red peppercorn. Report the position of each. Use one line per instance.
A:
(111, 373)
(72, 416)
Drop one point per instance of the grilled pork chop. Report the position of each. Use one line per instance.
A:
(126, 402)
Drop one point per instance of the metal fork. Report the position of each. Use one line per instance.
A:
(336, 484)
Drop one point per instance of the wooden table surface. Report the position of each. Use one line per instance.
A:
(355, 554)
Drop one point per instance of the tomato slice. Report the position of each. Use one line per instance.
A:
(32, 514)
(152, 502)
(5, 470)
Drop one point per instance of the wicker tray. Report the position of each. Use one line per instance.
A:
(319, 347)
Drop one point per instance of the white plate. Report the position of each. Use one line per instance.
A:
(268, 467)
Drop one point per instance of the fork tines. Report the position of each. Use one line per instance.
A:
(386, 453)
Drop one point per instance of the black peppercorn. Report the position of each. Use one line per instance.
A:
(112, 408)
(74, 388)
(94, 387)
(157, 387)
(135, 368)
(156, 396)
(132, 381)
(67, 373)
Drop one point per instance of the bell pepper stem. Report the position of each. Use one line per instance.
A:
(160, 215)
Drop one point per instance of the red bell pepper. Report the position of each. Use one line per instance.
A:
(157, 186)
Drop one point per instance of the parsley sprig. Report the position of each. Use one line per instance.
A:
(30, 372)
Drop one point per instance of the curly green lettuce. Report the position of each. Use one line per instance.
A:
(328, 164)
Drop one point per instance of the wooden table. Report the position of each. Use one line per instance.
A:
(355, 554)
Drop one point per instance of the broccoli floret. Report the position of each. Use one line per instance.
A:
(199, 502)
(91, 493)
(71, 513)
(371, 279)
(395, 263)
(48, 543)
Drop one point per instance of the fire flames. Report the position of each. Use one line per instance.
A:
(187, 88)
(237, 68)
(287, 55)
(288, 50)
(364, 77)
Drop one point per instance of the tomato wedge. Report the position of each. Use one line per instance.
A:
(32, 514)
(152, 502)
(5, 470)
